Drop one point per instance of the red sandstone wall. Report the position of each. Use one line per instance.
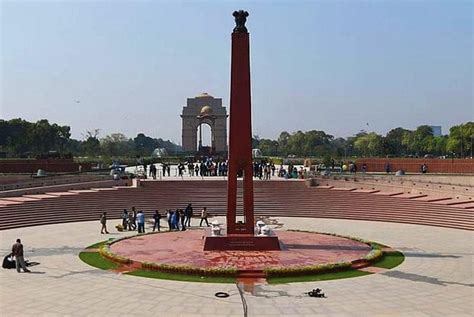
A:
(32, 166)
(413, 165)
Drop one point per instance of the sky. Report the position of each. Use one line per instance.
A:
(336, 66)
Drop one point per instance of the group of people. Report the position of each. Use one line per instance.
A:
(177, 219)
(263, 170)
(135, 220)
(206, 167)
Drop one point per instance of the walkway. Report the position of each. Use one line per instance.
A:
(435, 279)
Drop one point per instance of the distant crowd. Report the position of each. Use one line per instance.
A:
(262, 170)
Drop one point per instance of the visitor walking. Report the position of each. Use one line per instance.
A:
(204, 217)
(157, 218)
(17, 252)
(103, 222)
(141, 221)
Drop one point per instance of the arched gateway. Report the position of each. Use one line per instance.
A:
(204, 109)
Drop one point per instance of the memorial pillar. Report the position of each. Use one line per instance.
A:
(240, 135)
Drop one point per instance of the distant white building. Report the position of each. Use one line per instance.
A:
(436, 130)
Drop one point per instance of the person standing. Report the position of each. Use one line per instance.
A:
(169, 217)
(141, 221)
(175, 220)
(17, 252)
(163, 168)
(189, 214)
(424, 168)
(134, 218)
(103, 222)
(182, 219)
(124, 219)
(157, 218)
(204, 217)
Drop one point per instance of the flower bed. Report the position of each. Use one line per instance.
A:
(105, 252)
(306, 270)
(191, 270)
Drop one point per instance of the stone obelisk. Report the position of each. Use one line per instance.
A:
(240, 137)
(240, 234)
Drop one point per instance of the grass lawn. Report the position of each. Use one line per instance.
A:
(97, 245)
(318, 277)
(181, 277)
(96, 260)
(390, 260)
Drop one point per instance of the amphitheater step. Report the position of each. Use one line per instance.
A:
(432, 199)
(368, 191)
(457, 202)
(390, 194)
(61, 193)
(273, 199)
(40, 196)
(411, 196)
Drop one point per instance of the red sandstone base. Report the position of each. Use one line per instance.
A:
(241, 243)
(186, 248)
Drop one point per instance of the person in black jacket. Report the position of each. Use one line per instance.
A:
(157, 218)
(188, 212)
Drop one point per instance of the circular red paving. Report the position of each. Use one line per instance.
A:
(186, 247)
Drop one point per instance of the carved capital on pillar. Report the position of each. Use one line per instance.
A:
(240, 19)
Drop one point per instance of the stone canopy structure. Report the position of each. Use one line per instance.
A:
(204, 109)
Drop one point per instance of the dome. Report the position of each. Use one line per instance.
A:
(206, 110)
(204, 95)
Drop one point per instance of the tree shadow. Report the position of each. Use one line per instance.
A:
(325, 247)
(430, 255)
(422, 278)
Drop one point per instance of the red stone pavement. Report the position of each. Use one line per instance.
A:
(186, 247)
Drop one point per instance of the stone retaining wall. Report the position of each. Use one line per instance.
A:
(414, 165)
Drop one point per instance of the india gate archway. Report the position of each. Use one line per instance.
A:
(204, 109)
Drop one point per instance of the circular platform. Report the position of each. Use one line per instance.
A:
(186, 248)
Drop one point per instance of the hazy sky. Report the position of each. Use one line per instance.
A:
(324, 65)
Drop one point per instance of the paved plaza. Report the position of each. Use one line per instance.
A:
(436, 279)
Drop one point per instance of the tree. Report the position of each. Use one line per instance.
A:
(393, 142)
(115, 144)
(422, 140)
(283, 143)
(144, 145)
(460, 139)
(369, 145)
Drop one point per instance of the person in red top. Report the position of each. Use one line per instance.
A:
(17, 252)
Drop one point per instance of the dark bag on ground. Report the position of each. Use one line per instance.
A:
(8, 262)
